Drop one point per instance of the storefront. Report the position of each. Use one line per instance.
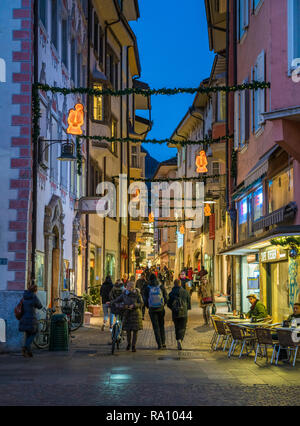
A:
(275, 282)
(250, 279)
(110, 265)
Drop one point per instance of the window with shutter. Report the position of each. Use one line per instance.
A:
(54, 21)
(293, 33)
(236, 120)
(43, 11)
(259, 95)
(243, 17)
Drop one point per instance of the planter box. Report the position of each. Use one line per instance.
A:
(95, 310)
(87, 318)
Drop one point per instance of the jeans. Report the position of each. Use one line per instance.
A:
(29, 338)
(134, 335)
(206, 313)
(158, 324)
(107, 313)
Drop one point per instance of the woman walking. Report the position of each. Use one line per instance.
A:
(206, 296)
(28, 322)
(132, 318)
(179, 302)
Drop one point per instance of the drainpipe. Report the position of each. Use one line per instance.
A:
(128, 159)
(34, 147)
(87, 219)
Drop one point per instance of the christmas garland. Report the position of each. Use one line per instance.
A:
(182, 179)
(205, 141)
(286, 242)
(255, 85)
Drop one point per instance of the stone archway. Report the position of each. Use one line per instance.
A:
(54, 244)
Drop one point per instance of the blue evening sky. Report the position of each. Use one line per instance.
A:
(174, 52)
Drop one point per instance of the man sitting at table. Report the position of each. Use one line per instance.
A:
(258, 310)
(295, 314)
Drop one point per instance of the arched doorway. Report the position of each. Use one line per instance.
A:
(53, 240)
(55, 266)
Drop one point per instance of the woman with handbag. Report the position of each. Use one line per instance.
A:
(28, 322)
(132, 317)
(206, 296)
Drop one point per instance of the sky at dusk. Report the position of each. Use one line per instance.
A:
(174, 52)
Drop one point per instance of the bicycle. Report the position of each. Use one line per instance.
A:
(77, 315)
(73, 313)
(42, 338)
(117, 330)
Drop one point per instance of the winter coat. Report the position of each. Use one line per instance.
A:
(132, 318)
(29, 321)
(180, 293)
(147, 293)
(259, 311)
(205, 290)
(140, 284)
(106, 288)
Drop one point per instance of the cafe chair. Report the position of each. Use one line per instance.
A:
(215, 335)
(286, 342)
(264, 338)
(241, 336)
(222, 333)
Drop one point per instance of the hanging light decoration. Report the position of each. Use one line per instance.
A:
(151, 217)
(76, 120)
(201, 162)
(182, 229)
(207, 210)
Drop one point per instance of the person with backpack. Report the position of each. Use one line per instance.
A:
(155, 299)
(141, 284)
(105, 290)
(28, 320)
(179, 302)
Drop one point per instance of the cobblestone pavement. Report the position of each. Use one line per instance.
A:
(89, 375)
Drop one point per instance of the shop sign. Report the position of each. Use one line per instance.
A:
(273, 255)
(212, 227)
(92, 205)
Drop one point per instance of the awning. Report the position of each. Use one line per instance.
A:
(254, 244)
(261, 167)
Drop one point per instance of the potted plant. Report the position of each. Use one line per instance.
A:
(93, 300)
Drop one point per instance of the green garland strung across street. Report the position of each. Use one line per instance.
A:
(287, 242)
(179, 179)
(255, 85)
(205, 141)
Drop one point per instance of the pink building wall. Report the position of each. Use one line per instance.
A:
(268, 31)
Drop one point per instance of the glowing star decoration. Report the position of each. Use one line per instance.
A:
(76, 120)
(201, 162)
(182, 229)
(151, 218)
(207, 210)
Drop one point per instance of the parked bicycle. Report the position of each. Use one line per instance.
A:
(69, 307)
(42, 338)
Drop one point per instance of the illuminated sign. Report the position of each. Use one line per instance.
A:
(201, 162)
(76, 120)
(207, 210)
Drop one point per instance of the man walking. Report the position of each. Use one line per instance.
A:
(141, 284)
(179, 302)
(155, 298)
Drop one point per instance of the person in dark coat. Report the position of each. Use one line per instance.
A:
(180, 319)
(156, 305)
(116, 291)
(29, 323)
(141, 285)
(105, 290)
(132, 317)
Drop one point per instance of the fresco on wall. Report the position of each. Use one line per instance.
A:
(293, 284)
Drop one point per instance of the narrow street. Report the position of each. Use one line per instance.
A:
(90, 375)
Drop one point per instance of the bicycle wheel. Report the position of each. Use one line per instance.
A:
(42, 338)
(76, 320)
(114, 337)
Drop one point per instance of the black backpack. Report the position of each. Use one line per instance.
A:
(178, 308)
